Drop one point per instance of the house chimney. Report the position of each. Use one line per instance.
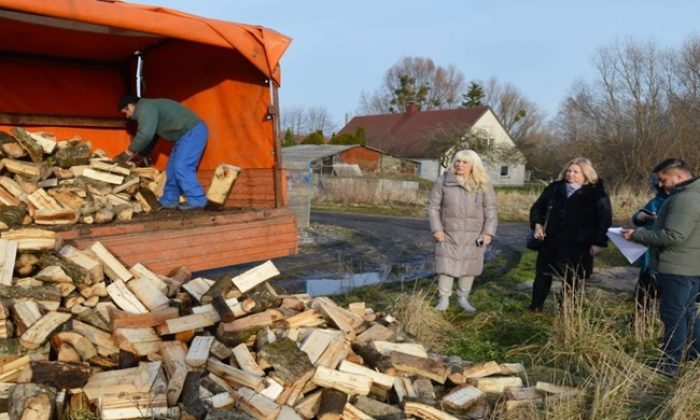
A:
(412, 108)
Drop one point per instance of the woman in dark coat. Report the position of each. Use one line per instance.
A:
(579, 218)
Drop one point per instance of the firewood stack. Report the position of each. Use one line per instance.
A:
(86, 334)
(51, 182)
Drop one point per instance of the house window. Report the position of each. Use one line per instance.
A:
(505, 172)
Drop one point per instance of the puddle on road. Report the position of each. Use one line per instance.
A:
(333, 285)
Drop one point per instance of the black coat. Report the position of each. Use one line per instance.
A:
(574, 224)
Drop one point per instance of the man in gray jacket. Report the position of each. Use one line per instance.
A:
(675, 243)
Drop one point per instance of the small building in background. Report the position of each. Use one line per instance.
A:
(410, 135)
(304, 163)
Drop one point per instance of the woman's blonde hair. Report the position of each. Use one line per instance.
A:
(587, 169)
(478, 179)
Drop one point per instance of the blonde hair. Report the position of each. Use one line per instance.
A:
(587, 169)
(478, 179)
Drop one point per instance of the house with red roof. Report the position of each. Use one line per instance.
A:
(419, 136)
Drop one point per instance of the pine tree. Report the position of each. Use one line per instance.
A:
(474, 96)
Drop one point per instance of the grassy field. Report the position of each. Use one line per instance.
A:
(595, 343)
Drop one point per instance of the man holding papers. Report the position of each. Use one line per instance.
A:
(675, 240)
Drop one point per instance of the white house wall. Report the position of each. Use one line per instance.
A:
(430, 169)
(516, 173)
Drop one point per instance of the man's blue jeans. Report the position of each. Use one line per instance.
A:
(678, 309)
(181, 170)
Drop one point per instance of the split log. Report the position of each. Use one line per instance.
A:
(43, 201)
(246, 361)
(220, 350)
(377, 409)
(56, 216)
(74, 272)
(122, 381)
(103, 341)
(350, 412)
(481, 370)
(455, 370)
(80, 343)
(376, 332)
(256, 405)
(148, 293)
(332, 404)
(47, 141)
(124, 299)
(140, 271)
(140, 341)
(512, 369)
(34, 239)
(34, 149)
(174, 354)
(345, 320)
(255, 276)
(198, 353)
(418, 366)
(12, 215)
(7, 199)
(554, 389)
(426, 412)
(28, 169)
(9, 372)
(59, 375)
(25, 313)
(187, 323)
(37, 334)
(112, 267)
(48, 297)
(289, 363)
(235, 375)
(308, 407)
(101, 176)
(109, 166)
(222, 182)
(129, 182)
(496, 385)
(84, 260)
(462, 397)
(96, 290)
(336, 351)
(378, 378)
(148, 200)
(309, 318)
(198, 287)
(412, 349)
(317, 341)
(250, 322)
(32, 401)
(349, 383)
(403, 388)
(191, 401)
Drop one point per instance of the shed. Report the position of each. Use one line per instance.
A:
(65, 64)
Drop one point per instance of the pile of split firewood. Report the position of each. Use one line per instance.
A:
(51, 182)
(88, 336)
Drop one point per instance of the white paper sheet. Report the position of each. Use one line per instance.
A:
(631, 250)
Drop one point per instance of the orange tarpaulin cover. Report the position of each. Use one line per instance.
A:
(76, 58)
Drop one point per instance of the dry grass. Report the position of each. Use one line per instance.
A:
(418, 317)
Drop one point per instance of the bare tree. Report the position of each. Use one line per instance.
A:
(302, 121)
(519, 116)
(415, 80)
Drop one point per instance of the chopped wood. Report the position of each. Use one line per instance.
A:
(28, 169)
(56, 216)
(25, 313)
(246, 360)
(11, 186)
(32, 401)
(148, 200)
(42, 201)
(308, 406)
(59, 374)
(257, 405)
(336, 351)
(174, 354)
(224, 177)
(124, 299)
(34, 239)
(317, 342)
(273, 389)
(255, 276)
(37, 334)
(288, 413)
(10, 371)
(140, 271)
(496, 385)
(220, 350)
(7, 199)
(258, 320)
(108, 166)
(351, 412)
(377, 409)
(345, 320)
(308, 318)
(426, 412)
(349, 383)
(376, 332)
(332, 404)
(33, 149)
(148, 293)
(554, 389)
(66, 353)
(418, 366)
(462, 397)
(140, 341)
(198, 353)
(103, 341)
(413, 349)
(378, 378)
(84, 260)
(54, 274)
(403, 387)
(107, 177)
(47, 141)
(129, 181)
(96, 290)
(357, 308)
(235, 375)
(289, 363)
(481, 370)
(114, 269)
(198, 287)
(187, 323)
(79, 342)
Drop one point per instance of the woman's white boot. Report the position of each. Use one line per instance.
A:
(445, 290)
(464, 287)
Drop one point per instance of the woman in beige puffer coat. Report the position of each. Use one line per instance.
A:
(463, 219)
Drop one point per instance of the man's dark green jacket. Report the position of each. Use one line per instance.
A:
(675, 237)
(166, 118)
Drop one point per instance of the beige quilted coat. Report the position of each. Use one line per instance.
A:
(463, 216)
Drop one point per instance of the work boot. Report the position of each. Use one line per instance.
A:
(443, 303)
(464, 304)
(464, 287)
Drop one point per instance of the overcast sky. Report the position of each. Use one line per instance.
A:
(340, 48)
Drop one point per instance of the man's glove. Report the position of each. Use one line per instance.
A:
(141, 161)
(123, 157)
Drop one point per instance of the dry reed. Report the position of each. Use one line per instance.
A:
(418, 317)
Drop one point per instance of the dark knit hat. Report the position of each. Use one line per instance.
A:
(126, 100)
